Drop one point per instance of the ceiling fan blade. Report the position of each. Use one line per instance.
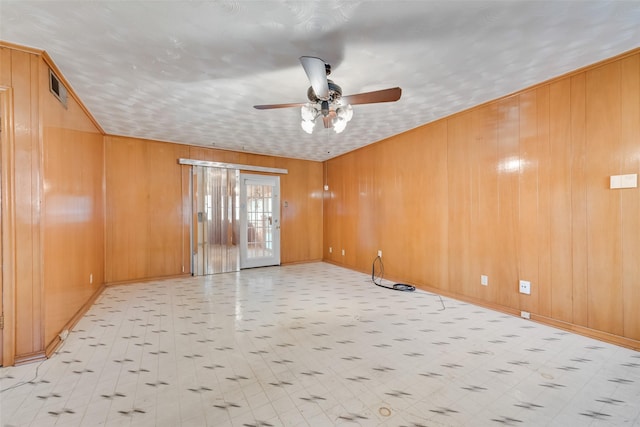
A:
(385, 95)
(317, 74)
(272, 106)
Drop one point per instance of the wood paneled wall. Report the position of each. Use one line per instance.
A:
(514, 189)
(147, 224)
(72, 227)
(57, 158)
(148, 206)
(20, 71)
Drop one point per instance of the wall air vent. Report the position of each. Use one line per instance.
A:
(57, 88)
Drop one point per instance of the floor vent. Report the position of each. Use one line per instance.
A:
(57, 88)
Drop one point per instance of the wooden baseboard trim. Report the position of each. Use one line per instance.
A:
(24, 359)
(588, 332)
(148, 279)
(309, 261)
(55, 343)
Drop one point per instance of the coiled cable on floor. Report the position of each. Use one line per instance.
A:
(376, 277)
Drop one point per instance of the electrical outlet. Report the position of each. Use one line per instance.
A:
(525, 315)
(525, 287)
(380, 253)
(484, 280)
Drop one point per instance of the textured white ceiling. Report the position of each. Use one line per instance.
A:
(190, 71)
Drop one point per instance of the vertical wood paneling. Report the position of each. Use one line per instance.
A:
(630, 198)
(432, 193)
(73, 224)
(28, 297)
(367, 210)
(5, 67)
(301, 188)
(145, 221)
(338, 188)
(36, 182)
(7, 229)
(579, 226)
(508, 213)
(164, 199)
(333, 221)
(351, 237)
(560, 214)
(486, 224)
(124, 238)
(603, 205)
(401, 198)
(528, 245)
(544, 201)
(459, 185)
(385, 217)
(411, 202)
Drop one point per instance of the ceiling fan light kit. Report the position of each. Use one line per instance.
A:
(326, 100)
(336, 116)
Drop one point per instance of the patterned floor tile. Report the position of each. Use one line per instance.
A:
(315, 345)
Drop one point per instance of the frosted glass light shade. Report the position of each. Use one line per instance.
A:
(308, 125)
(339, 124)
(345, 112)
(308, 112)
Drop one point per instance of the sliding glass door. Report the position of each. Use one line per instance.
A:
(215, 225)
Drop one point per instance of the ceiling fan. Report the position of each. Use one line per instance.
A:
(326, 100)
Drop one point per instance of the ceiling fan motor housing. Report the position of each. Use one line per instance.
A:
(335, 92)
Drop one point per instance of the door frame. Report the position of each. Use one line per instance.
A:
(274, 181)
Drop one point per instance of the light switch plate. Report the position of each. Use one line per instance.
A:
(629, 180)
(624, 181)
(484, 280)
(615, 181)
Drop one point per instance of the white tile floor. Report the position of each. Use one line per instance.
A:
(315, 345)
